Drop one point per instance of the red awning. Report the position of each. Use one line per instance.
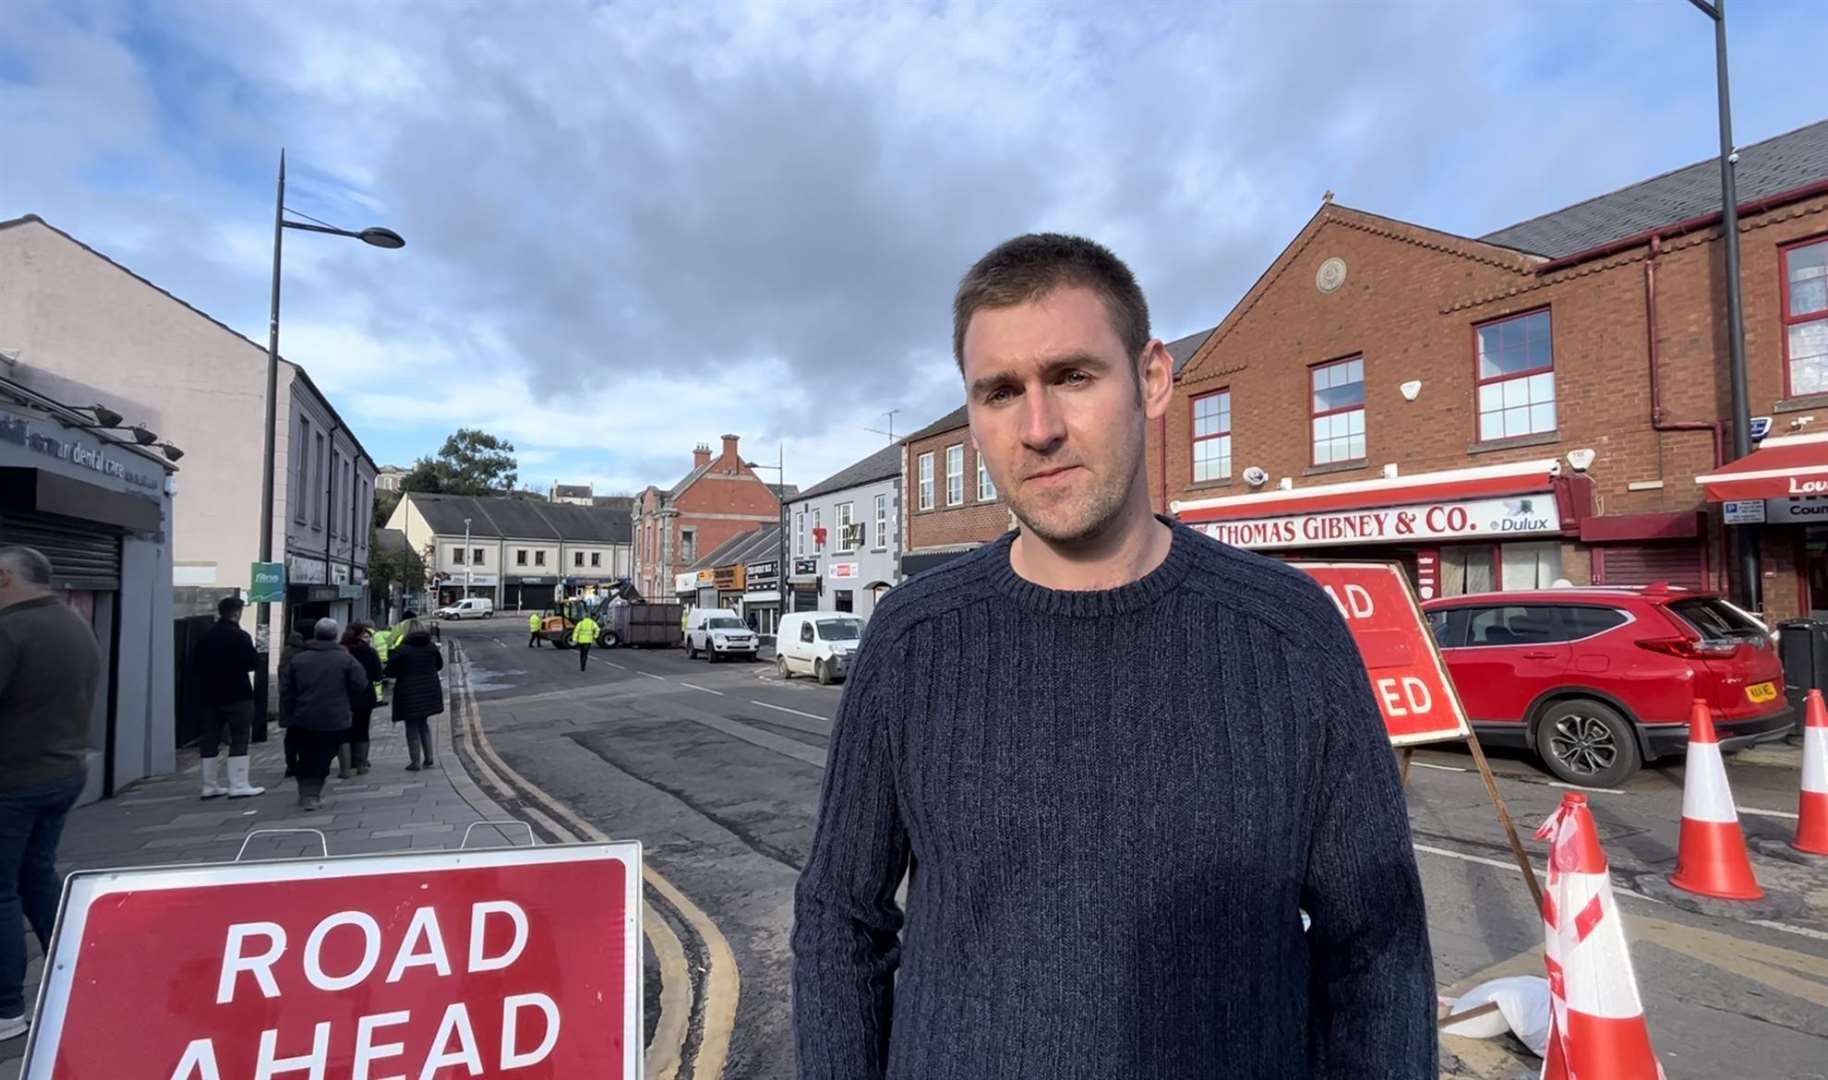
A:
(1487, 482)
(1787, 465)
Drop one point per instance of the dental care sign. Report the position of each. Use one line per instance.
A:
(522, 962)
(1408, 678)
(1498, 519)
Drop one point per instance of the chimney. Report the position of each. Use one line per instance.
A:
(730, 450)
(701, 456)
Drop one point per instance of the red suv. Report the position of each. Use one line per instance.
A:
(1599, 680)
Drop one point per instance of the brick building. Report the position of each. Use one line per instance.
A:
(1528, 406)
(718, 500)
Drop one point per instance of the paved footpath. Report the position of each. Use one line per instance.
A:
(162, 820)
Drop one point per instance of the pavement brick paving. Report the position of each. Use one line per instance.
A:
(161, 821)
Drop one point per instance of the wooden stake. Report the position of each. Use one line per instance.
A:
(1406, 754)
(1471, 1014)
(1504, 819)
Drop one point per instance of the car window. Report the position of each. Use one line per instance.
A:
(724, 622)
(806, 631)
(1715, 621)
(840, 629)
(1583, 621)
(1515, 624)
(1449, 626)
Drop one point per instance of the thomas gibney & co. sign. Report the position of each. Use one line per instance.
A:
(1473, 519)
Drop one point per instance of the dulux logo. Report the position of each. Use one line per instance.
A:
(1520, 515)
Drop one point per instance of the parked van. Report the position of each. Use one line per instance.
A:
(471, 607)
(817, 643)
(719, 632)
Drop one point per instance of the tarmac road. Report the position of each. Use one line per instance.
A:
(716, 768)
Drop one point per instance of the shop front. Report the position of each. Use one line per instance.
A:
(527, 593)
(727, 582)
(805, 584)
(456, 585)
(100, 511)
(1463, 531)
(1779, 494)
(762, 595)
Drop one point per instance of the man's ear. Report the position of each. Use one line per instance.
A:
(1155, 378)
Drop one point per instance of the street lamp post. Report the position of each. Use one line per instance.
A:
(1750, 583)
(263, 611)
(780, 559)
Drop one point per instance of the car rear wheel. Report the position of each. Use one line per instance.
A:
(1587, 742)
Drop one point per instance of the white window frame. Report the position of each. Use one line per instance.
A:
(926, 480)
(799, 533)
(986, 487)
(843, 514)
(955, 477)
(882, 523)
(302, 500)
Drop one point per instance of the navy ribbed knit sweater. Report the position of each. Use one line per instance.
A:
(1113, 807)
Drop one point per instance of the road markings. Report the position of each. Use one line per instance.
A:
(706, 689)
(1788, 929)
(722, 981)
(1767, 813)
(1595, 790)
(647, 675)
(796, 712)
(1511, 867)
(620, 667)
(1442, 768)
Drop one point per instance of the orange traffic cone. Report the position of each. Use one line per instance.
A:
(1711, 858)
(1597, 1029)
(1812, 802)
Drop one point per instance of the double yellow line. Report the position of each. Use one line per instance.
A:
(722, 984)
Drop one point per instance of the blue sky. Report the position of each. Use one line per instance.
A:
(632, 229)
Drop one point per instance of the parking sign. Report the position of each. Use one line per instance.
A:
(459, 963)
(1408, 679)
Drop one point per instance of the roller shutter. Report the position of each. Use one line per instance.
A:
(82, 555)
(1681, 564)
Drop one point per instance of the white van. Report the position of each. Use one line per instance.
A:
(719, 632)
(817, 643)
(471, 607)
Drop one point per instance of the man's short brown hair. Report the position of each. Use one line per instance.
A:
(1022, 270)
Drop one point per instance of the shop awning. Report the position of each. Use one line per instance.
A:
(1784, 466)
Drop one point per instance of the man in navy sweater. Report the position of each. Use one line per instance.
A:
(1116, 761)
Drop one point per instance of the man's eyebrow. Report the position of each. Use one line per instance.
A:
(984, 383)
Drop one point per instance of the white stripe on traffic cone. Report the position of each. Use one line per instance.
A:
(1812, 801)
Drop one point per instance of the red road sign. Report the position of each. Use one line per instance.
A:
(1408, 678)
(446, 964)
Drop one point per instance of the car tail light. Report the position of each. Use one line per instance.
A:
(1688, 648)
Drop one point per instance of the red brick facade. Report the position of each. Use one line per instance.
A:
(971, 522)
(1410, 304)
(719, 499)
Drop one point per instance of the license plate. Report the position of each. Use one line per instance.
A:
(1761, 692)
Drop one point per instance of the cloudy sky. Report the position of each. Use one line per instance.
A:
(632, 227)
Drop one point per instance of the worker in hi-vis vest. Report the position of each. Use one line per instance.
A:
(533, 630)
(584, 635)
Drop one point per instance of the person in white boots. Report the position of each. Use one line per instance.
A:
(49, 666)
(220, 669)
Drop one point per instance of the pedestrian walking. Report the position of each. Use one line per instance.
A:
(221, 667)
(533, 630)
(418, 694)
(1126, 759)
(49, 667)
(295, 642)
(584, 635)
(359, 640)
(322, 689)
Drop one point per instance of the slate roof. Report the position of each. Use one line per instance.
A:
(624, 503)
(571, 491)
(1774, 166)
(884, 464)
(391, 541)
(496, 517)
(952, 421)
(742, 548)
(1182, 349)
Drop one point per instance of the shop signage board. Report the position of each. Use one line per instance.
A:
(267, 583)
(505, 962)
(727, 578)
(1408, 677)
(1794, 510)
(843, 571)
(686, 582)
(1495, 519)
(806, 568)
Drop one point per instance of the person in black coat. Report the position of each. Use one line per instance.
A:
(220, 666)
(295, 644)
(354, 753)
(321, 690)
(418, 693)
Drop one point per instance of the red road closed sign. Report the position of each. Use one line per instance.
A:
(1408, 678)
(522, 962)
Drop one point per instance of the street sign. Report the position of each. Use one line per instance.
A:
(267, 583)
(451, 963)
(1743, 511)
(1408, 678)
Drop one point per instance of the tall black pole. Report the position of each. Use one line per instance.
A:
(263, 611)
(1749, 564)
(780, 577)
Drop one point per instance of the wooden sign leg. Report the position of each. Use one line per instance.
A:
(1404, 756)
(1504, 819)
